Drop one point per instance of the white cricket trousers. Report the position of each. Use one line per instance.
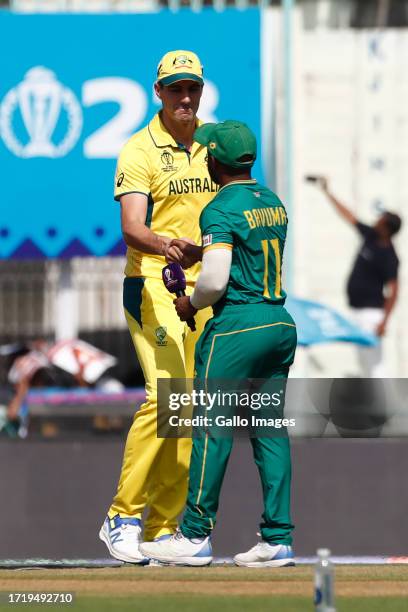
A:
(371, 358)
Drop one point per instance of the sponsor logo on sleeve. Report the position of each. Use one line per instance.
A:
(207, 240)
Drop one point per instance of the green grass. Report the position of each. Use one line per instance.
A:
(226, 573)
(208, 603)
(215, 589)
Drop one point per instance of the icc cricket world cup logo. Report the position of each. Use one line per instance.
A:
(43, 105)
(168, 275)
(167, 158)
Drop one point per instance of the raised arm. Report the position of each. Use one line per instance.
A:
(339, 206)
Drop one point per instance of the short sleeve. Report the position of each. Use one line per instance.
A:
(133, 173)
(215, 229)
(389, 267)
(365, 230)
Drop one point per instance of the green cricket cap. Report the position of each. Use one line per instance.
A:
(229, 142)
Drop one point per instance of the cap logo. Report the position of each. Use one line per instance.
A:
(182, 60)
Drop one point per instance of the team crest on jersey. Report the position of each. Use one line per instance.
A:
(207, 240)
(161, 333)
(167, 160)
(257, 194)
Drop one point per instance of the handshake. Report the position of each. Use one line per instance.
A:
(182, 251)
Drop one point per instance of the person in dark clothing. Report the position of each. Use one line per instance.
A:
(372, 286)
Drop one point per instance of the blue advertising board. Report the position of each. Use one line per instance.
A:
(75, 88)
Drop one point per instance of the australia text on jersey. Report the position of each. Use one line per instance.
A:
(191, 185)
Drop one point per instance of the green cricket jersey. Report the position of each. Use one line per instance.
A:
(251, 220)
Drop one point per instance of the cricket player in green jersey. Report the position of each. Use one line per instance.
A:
(251, 335)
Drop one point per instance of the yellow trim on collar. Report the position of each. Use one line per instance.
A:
(243, 182)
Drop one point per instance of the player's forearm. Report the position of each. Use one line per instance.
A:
(143, 239)
(389, 305)
(205, 295)
(213, 279)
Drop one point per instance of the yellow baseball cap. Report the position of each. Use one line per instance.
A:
(178, 66)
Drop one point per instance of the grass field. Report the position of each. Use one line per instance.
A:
(168, 589)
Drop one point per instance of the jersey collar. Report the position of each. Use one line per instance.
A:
(244, 182)
(160, 136)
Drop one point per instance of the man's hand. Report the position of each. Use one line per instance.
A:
(323, 183)
(173, 253)
(183, 251)
(184, 308)
(380, 331)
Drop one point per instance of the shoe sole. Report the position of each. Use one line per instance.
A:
(189, 561)
(276, 563)
(125, 558)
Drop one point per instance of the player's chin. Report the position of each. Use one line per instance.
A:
(185, 114)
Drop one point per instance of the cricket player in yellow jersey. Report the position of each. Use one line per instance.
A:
(162, 183)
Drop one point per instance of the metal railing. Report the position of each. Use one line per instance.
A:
(28, 293)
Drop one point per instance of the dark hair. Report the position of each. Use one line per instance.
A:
(393, 222)
(230, 170)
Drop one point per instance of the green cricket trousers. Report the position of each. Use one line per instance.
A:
(243, 341)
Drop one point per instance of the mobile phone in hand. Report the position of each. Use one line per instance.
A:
(311, 178)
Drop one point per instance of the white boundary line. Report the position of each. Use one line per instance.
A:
(102, 563)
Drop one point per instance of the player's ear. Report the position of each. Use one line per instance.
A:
(158, 89)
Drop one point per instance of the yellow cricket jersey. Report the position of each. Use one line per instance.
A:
(177, 185)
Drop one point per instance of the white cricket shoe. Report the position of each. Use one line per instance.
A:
(123, 536)
(179, 550)
(266, 555)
